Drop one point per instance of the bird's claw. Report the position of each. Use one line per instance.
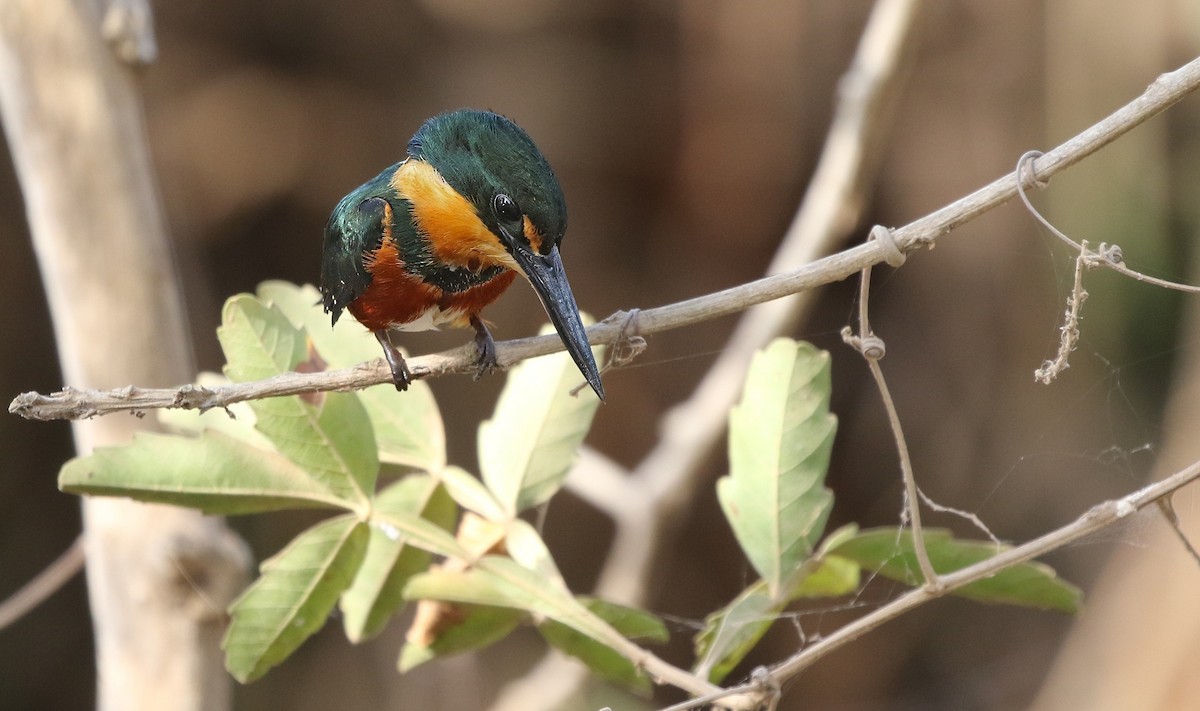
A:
(401, 375)
(485, 348)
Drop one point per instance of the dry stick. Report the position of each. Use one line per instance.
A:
(1164, 92)
(1106, 255)
(872, 349)
(697, 702)
(1167, 508)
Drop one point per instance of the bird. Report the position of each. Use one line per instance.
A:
(434, 239)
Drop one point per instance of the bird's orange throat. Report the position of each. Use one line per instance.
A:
(456, 235)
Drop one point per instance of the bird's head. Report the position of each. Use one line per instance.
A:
(484, 196)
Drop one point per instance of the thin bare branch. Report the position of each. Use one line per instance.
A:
(872, 349)
(1105, 255)
(971, 518)
(1167, 508)
(45, 584)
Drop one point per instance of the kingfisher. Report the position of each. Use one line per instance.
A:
(435, 238)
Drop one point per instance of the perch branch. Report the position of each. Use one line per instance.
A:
(1164, 92)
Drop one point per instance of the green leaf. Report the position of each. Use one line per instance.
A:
(631, 622)
(214, 473)
(588, 629)
(377, 591)
(604, 661)
(502, 582)
(341, 346)
(470, 493)
(839, 536)
(259, 342)
(472, 586)
(333, 438)
(292, 598)
(408, 426)
(731, 632)
(890, 553)
(524, 544)
(527, 448)
(833, 577)
(418, 532)
(479, 627)
(780, 437)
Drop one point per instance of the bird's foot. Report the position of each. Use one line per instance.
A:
(485, 347)
(401, 376)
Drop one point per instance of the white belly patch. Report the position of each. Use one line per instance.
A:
(430, 320)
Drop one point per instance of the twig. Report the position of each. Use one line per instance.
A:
(1164, 92)
(873, 349)
(1106, 255)
(965, 515)
(697, 702)
(1167, 508)
(45, 584)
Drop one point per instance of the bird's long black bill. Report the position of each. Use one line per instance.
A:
(549, 280)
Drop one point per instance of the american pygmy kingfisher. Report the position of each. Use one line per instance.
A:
(435, 238)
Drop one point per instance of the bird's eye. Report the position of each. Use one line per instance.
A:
(505, 208)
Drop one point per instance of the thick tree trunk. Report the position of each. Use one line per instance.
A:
(159, 577)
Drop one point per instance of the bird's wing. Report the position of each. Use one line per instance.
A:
(355, 228)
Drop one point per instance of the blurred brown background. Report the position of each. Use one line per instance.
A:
(684, 134)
